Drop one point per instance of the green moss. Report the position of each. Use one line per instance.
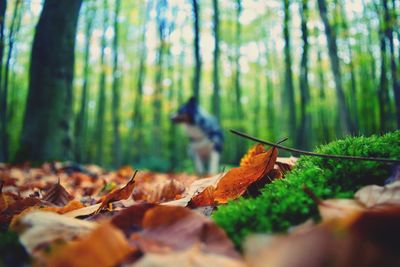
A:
(283, 203)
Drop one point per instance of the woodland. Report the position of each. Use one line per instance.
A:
(93, 172)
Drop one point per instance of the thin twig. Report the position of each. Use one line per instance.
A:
(308, 153)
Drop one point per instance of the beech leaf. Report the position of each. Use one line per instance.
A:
(118, 194)
(58, 195)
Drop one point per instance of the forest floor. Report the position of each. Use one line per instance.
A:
(64, 214)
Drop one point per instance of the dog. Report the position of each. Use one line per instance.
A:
(205, 136)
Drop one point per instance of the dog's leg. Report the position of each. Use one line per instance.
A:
(214, 162)
(199, 165)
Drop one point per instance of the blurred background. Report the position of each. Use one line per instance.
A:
(95, 81)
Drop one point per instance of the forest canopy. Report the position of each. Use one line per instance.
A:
(96, 81)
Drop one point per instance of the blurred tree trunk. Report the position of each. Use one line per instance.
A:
(325, 137)
(3, 127)
(257, 96)
(81, 124)
(344, 114)
(101, 101)
(383, 93)
(240, 142)
(136, 136)
(4, 109)
(353, 83)
(197, 56)
(46, 133)
(216, 92)
(161, 19)
(303, 133)
(116, 74)
(238, 43)
(390, 20)
(288, 97)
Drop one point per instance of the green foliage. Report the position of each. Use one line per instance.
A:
(12, 253)
(283, 203)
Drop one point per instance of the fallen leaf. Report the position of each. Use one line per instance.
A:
(103, 247)
(339, 208)
(255, 165)
(236, 181)
(255, 150)
(58, 195)
(374, 195)
(118, 194)
(40, 228)
(191, 257)
(158, 229)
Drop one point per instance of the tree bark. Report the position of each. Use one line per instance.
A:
(101, 102)
(216, 92)
(344, 114)
(14, 28)
(3, 128)
(81, 124)
(136, 135)
(353, 82)
(157, 135)
(389, 17)
(116, 148)
(288, 97)
(46, 133)
(238, 87)
(197, 56)
(305, 123)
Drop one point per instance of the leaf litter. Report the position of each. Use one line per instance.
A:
(92, 217)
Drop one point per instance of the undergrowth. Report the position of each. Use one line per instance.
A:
(283, 203)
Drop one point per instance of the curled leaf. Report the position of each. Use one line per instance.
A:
(118, 194)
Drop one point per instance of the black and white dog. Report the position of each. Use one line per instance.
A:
(205, 136)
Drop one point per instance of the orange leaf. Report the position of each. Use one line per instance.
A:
(251, 153)
(236, 181)
(118, 194)
(105, 246)
(253, 166)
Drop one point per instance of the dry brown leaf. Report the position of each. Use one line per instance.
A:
(118, 194)
(40, 228)
(191, 257)
(255, 150)
(255, 165)
(339, 208)
(58, 195)
(161, 229)
(103, 247)
(236, 181)
(374, 195)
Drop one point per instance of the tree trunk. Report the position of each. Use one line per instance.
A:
(353, 83)
(136, 135)
(325, 137)
(238, 88)
(216, 92)
(3, 128)
(197, 56)
(389, 17)
(14, 28)
(288, 97)
(81, 123)
(101, 102)
(157, 135)
(116, 148)
(46, 129)
(305, 123)
(344, 115)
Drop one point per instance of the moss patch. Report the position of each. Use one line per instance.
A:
(283, 203)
